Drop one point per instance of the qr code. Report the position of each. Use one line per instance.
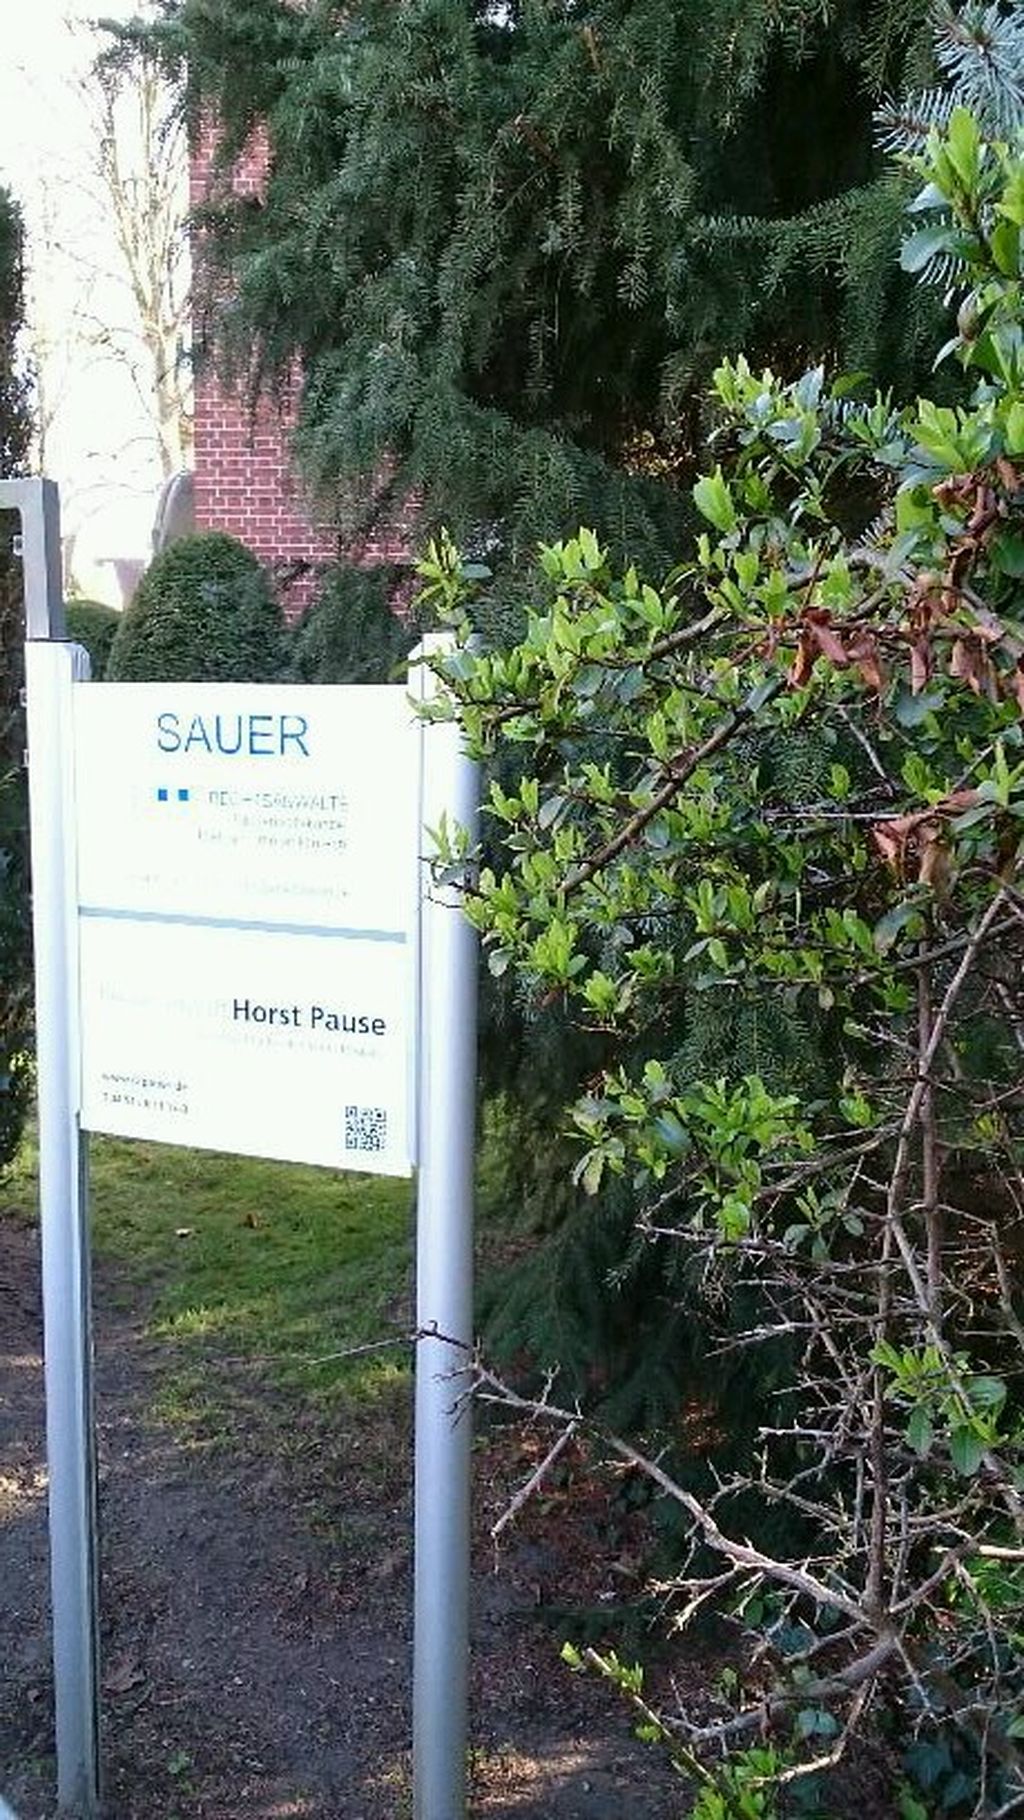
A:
(366, 1128)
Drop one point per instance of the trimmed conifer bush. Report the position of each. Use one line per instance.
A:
(204, 612)
(93, 625)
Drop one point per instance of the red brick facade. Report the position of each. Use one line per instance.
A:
(244, 480)
(244, 483)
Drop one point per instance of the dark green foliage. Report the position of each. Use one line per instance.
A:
(93, 625)
(352, 633)
(627, 1325)
(13, 412)
(15, 941)
(204, 612)
(506, 244)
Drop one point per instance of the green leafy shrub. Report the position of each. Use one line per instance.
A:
(352, 633)
(93, 625)
(204, 612)
(659, 851)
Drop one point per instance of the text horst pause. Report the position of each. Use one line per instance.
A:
(308, 1017)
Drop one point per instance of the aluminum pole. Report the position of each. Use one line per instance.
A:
(38, 503)
(444, 1287)
(51, 667)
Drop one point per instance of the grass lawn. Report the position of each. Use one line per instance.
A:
(254, 1274)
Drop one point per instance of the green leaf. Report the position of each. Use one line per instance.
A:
(966, 1450)
(672, 1132)
(857, 1111)
(593, 1170)
(890, 926)
(963, 145)
(649, 1733)
(986, 1393)
(922, 247)
(1004, 242)
(713, 500)
(910, 710)
(920, 1432)
(815, 1722)
(1008, 554)
(884, 1353)
(1013, 429)
(931, 197)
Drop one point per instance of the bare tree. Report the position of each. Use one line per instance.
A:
(105, 194)
(140, 169)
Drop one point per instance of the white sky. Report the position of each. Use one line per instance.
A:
(98, 444)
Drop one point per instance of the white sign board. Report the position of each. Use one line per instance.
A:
(247, 892)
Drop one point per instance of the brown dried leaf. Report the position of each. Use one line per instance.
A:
(922, 831)
(864, 653)
(959, 800)
(920, 665)
(969, 664)
(933, 856)
(828, 642)
(803, 663)
(984, 511)
(890, 843)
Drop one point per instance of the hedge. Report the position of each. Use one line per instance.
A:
(203, 612)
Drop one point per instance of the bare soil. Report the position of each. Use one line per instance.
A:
(256, 1615)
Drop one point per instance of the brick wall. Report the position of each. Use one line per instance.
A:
(244, 479)
(244, 484)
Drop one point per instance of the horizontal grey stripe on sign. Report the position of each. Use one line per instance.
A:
(103, 913)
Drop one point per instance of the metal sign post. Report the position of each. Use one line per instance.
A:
(51, 667)
(38, 503)
(277, 838)
(444, 1289)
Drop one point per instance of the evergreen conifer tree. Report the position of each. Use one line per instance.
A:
(979, 56)
(506, 243)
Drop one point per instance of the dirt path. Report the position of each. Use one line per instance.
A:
(251, 1666)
